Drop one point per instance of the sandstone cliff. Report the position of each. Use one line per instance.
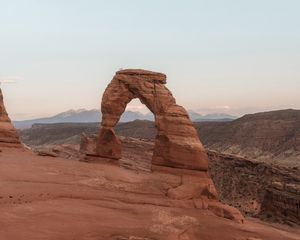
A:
(270, 192)
(8, 134)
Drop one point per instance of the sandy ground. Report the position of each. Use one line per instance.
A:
(43, 198)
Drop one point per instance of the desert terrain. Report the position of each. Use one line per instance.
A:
(68, 183)
(149, 120)
(272, 195)
(56, 198)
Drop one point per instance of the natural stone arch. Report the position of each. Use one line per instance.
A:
(177, 143)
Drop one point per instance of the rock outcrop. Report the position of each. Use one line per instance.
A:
(177, 150)
(177, 144)
(254, 187)
(8, 134)
(54, 198)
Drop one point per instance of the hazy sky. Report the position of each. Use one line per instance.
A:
(220, 56)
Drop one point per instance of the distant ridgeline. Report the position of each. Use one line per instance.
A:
(89, 116)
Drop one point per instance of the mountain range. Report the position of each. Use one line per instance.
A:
(94, 115)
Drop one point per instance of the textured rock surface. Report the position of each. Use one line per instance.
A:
(53, 198)
(8, 134)
(66, 151)
(193, 185)
(108, 144)
(248, 185)
(258, 189)
(281, 203)
(176, 145)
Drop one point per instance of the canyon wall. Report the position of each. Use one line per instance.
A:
(258, 189)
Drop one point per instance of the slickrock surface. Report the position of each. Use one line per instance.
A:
(177, 143)
(254, 187)
(258, 189)
(8, 134)
(195, 186)
(53, 198)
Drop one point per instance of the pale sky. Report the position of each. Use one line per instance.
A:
(219, 55)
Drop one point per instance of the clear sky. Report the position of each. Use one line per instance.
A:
(220, 55)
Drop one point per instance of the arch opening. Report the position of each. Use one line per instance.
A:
(137, 132)
(136, 110)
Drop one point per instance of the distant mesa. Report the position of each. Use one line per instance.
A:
(268, 136)
(8, 134)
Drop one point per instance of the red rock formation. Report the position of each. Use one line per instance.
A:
(177, 144)
(177, 151)
(108, 144)
(3, 114)
(8, 134)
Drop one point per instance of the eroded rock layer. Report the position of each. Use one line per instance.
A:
(177, 143)
(8, 134)
(177, 150)
(258, 189)
(54, 198)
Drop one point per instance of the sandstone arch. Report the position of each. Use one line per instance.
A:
(177, 143)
